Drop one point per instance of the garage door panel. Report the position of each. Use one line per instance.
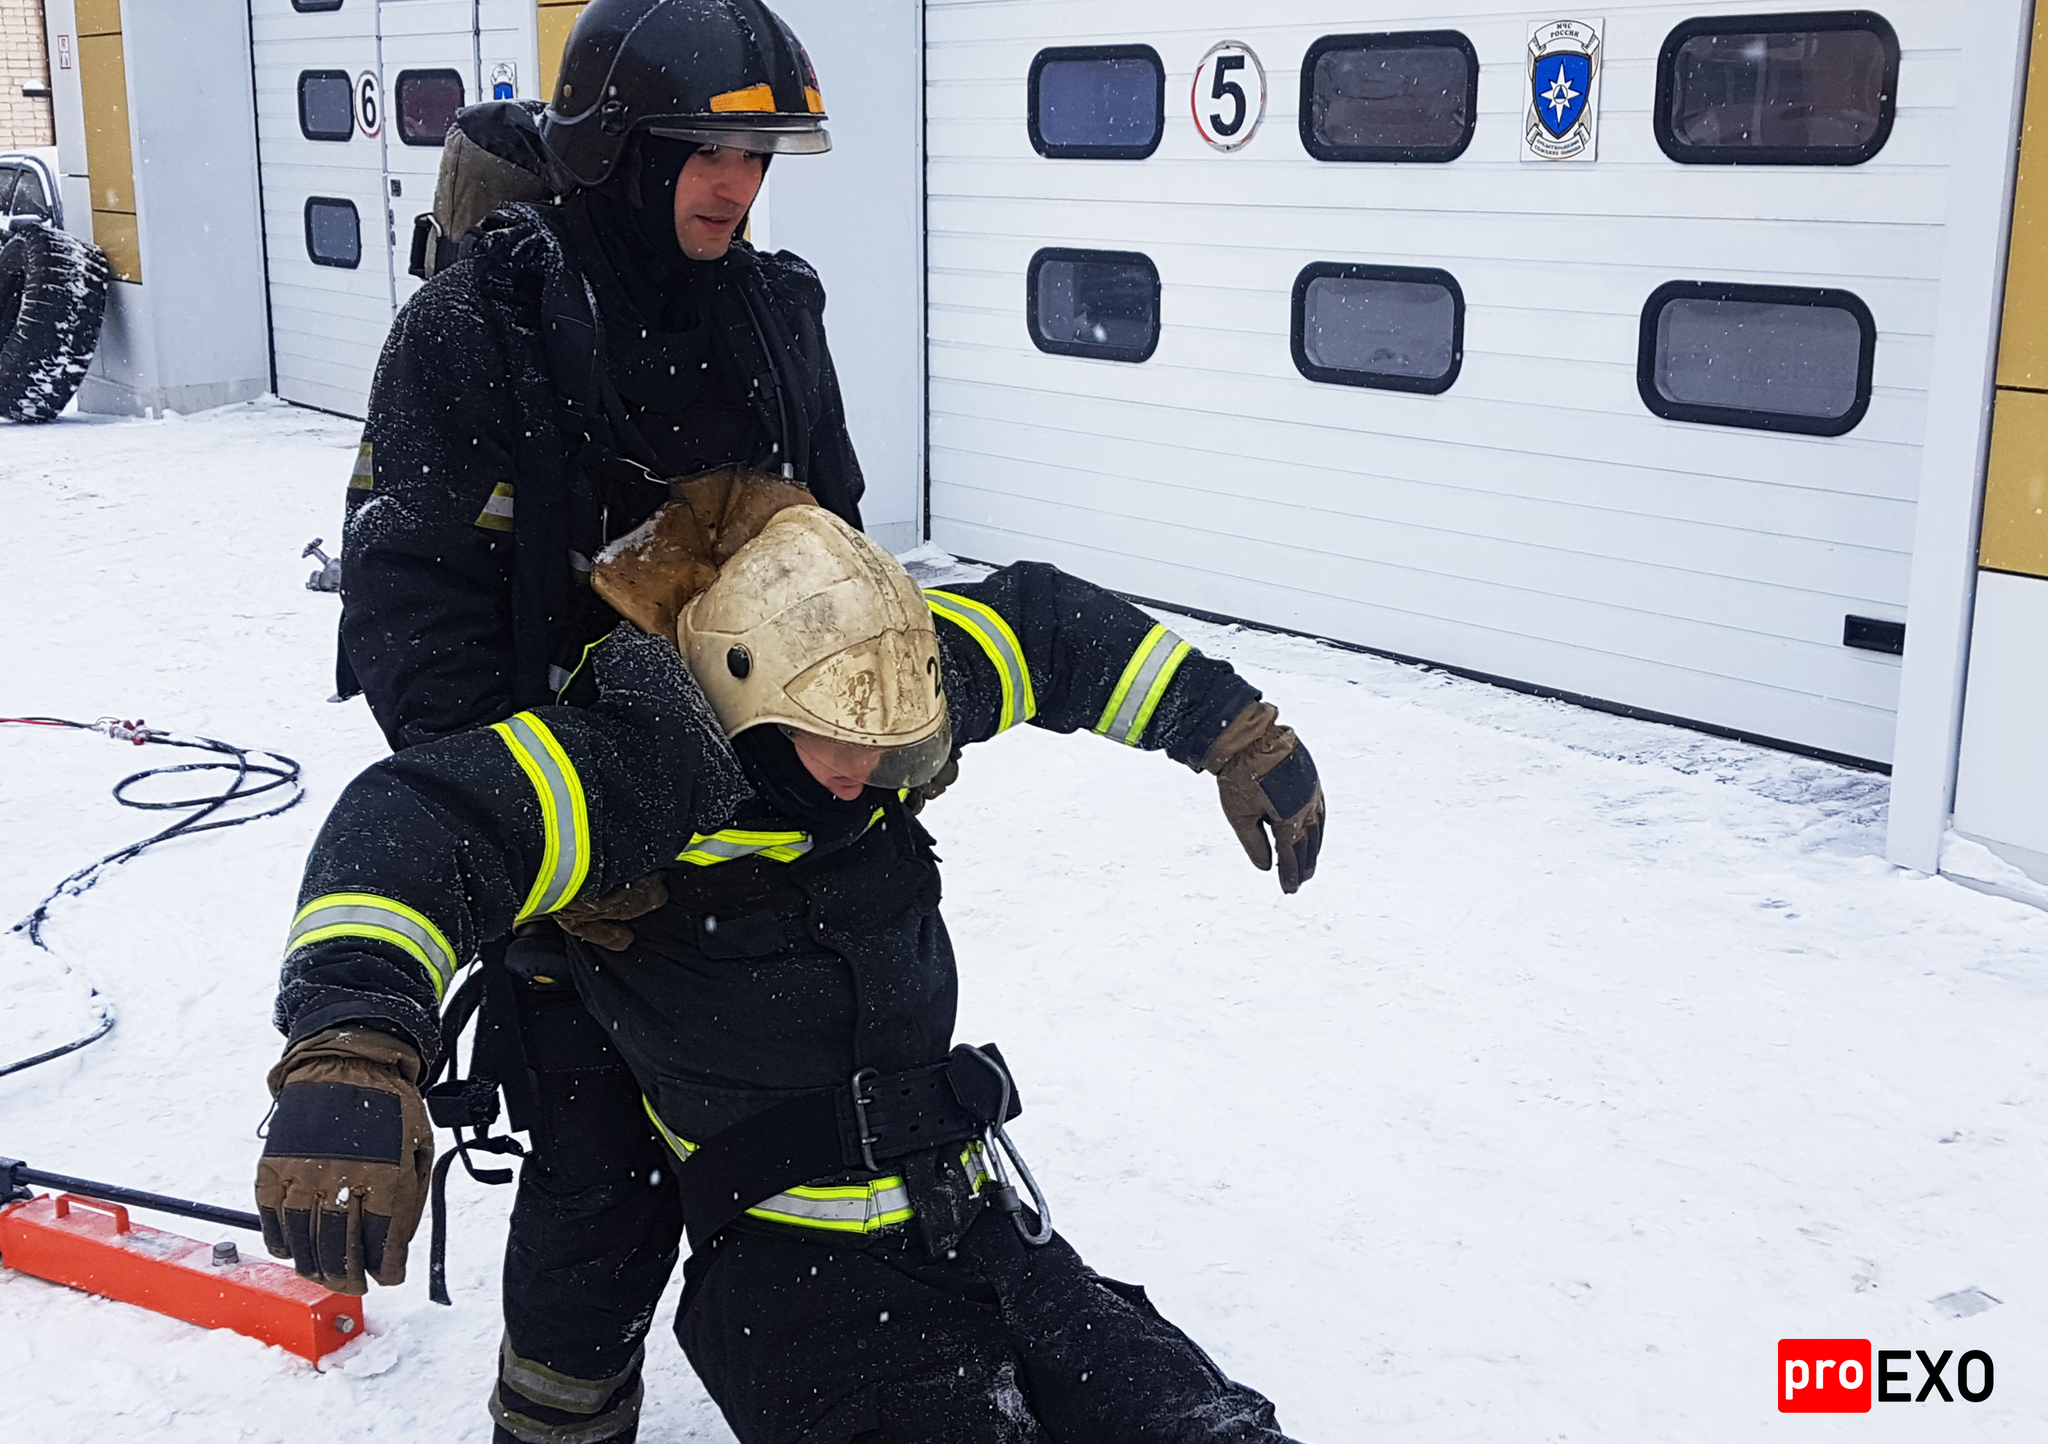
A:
(1552, 560)
(1535, 613)
(1497, 497)
(1159, 403)
(1318, 220)
(329, 321)
(1455, 471)
(1345, 608)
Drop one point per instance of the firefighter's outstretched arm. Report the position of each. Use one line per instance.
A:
(1032, 644)
(426, 856)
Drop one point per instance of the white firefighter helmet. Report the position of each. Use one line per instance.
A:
(813, 626)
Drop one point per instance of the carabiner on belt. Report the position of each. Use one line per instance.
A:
(1003, 1193)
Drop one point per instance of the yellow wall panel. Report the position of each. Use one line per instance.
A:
(2023, 341)
(2016, 488)
(109, 155)
(99, 17)
(556, 16)
(115, 233)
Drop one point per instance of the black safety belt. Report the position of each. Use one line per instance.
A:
(876, 1118)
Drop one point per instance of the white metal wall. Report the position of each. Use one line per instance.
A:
(328, 323)
(857, 214)
(1535, 521)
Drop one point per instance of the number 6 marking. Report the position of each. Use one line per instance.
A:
(369, 110)
(1226, 115)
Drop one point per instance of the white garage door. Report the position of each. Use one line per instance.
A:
(1402, 396)
(352, 101)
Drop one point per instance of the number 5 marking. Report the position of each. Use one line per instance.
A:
(1228, 130)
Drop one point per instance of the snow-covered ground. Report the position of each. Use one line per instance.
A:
(1599, 1056)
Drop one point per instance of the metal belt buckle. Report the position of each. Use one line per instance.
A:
(860, 1115)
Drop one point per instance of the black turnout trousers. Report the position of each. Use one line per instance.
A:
(805, 1337)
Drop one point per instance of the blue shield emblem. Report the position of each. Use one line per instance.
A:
(1561, 85)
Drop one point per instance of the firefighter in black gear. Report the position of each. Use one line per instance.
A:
(531, 397)
(862, 1265)
(528, 398)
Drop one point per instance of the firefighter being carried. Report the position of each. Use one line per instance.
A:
(723, 860)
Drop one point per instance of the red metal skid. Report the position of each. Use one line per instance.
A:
(92, 1246)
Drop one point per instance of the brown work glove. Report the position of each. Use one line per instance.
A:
(347, 1159)
(603, 920)
(648, 574)
(945, 777)
(1267, 780)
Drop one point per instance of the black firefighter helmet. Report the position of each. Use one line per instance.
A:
(718, 72)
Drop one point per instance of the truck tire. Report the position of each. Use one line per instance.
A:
(53, 292)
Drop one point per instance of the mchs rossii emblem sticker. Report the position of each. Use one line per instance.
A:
(1563, 117)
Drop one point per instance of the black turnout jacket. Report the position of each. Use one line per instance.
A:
(499, 457)
(782, 961)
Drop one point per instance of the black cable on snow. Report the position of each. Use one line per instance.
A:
(282, 772)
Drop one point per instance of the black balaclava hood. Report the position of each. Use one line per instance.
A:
(782, 781)
(633, 214)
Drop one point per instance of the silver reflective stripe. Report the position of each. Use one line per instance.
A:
(839, 1208)
(1143, 683)
(558, 1390)
(865, 1213)
(497, 512)
(565, 859)
(364, 915)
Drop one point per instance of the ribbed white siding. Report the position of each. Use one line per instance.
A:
(1535, 522)
(327, 323)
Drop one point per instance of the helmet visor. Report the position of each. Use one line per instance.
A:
(914, 764)
(806, 138)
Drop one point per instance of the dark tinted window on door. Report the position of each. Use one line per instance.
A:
(327, 105)
(1392, 97)
(1778, 358)
(334, 232)
(1103, 304)
(1098, 102)
(1805, 89)
(1399, 328)
(427, 102)
(28, 198)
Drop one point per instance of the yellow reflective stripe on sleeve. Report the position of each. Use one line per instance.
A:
(497, 512)
(565, 818)
(729, 844)
(986, 626)
(680, 1146)
(365, 915)
(364, 477)
(1145, 680)
(836, 1208)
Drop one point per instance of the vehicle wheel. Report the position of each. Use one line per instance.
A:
(53, 292)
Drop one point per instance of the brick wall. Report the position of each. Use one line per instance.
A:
(24, 120)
